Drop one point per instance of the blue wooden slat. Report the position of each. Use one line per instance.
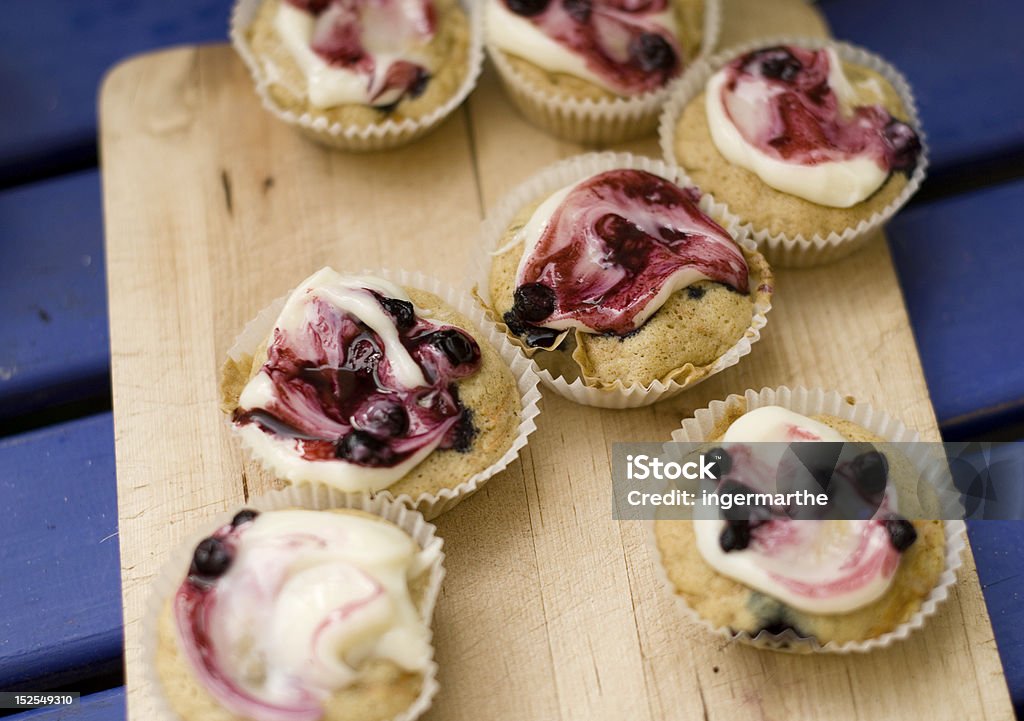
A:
(53, 338)
(106, 705)
(963, 60)
(59, 562)
(961, 264)
(996, 546)
(53, 54)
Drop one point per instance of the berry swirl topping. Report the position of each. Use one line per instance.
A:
(792, 117)
(604, 255)
(284, 608)
(358, 386)
(368, 52)
(818, 566)
(626, 46)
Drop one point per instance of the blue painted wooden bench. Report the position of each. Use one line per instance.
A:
(961, 262)
(964, 62)
(61, 594)
(54, 345)
(52, 56)
(996, 546)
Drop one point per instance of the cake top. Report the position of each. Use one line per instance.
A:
(358, 383)
(818, 566)
(604, 254)
(624, 46)
(359, 51)
(791, 116)
(282, 609)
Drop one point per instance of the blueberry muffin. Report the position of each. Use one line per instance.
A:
(299, 614)
(620, 279)
(798, 141)
(364, 385)
(361, 63)
(829, 580)
(595, 49)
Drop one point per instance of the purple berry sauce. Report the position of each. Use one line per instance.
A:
(611, 246)
(339, 34)
(337, 397)
(617, 39)
(806, 124)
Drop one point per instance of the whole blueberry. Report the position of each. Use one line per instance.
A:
(579, 10)
(456, 346)
(871, 471)
(735, 536)
(314, 7)
(533, 302)
(383, 418)
(514, 323)
(904, 145)
(401, 310)
(720, 460)
(777, 63)
(364, 449)
(244, 516)
(464, 432)
(211, 559)
(902, 533)
(419, 83)
(527, 8)
(652, 52)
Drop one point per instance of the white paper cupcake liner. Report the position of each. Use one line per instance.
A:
(154, 703)
(797, 250)
(389, 133)
(558, 176)
(430, 505)
(811, 402)
(596, 121)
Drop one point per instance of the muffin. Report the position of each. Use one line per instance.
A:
(760, 574)
(804, 143)
(363, 385)
(300, 614)
(594, 70)
(619, 280)
(359, 75)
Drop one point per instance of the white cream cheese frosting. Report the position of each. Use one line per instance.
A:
(823, 566)
(612, 248)
(391, 32)
(341, 400)
(517, 36)
(522, 37)
(839, 183)
(539, 222)
(309, 598)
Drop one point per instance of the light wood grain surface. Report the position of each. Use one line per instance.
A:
(550, 609)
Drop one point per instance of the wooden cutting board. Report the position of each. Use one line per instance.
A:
(550, 609)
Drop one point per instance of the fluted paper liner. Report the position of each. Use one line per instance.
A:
(430, 505)
(572, 170)
(585, 120)
(782, 249)
(156, 706)
(388, 133)
(811, 402)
